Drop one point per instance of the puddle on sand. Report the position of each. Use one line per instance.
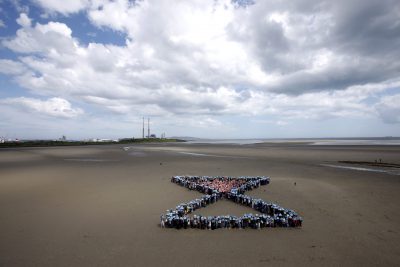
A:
(137, 154)
(90, 160)
(208, 155)
(388, 171)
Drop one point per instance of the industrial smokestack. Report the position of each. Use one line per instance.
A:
(148, 127)
(143, 129)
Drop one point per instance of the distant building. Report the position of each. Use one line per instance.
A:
(106, 140)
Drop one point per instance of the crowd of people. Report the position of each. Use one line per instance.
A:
(220, 184)
(281, 216)
(232, 188)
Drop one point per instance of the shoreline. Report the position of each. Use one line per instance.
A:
(52, 143)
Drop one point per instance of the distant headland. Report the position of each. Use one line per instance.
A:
(45, 143)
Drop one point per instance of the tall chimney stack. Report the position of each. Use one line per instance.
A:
(143, 129)
(148, 127)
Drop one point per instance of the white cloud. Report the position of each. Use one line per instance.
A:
(24, 20)
(11, 67)
(2, 25)
(198, 122)
(389, 108)
(55, 107)
(19, 7)
(51, 39)
(64, 7)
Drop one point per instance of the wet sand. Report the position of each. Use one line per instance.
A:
(100, 206)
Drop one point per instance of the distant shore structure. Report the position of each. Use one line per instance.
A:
(143, 129)
(148, 127)
(149, 135)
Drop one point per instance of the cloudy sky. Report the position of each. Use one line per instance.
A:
(205, 68)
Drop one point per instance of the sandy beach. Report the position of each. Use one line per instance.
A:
(101, 206)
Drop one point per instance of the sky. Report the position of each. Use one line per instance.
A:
(202, 68)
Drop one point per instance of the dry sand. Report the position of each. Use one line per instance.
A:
(100, 206)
